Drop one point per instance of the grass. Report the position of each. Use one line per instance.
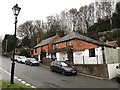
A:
(6, 85)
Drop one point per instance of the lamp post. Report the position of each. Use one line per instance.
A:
(16, 11)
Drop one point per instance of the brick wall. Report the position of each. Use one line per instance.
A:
(77, 44)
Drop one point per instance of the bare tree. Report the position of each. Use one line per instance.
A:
(26, 29)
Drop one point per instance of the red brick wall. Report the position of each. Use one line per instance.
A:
(77, 45)
(51, 47)
(81, 45)
(47, 47)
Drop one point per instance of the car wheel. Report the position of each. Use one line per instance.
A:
(63, 72)
(51, 68)
(118, 79)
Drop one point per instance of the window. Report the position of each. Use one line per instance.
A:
(92, 52)
(68, 43)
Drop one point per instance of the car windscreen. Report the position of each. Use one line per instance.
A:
(32, 59)
(64, 64)
(22, 57)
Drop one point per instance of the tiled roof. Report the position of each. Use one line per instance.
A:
(112, 43)
(44, 42)
(74, 35)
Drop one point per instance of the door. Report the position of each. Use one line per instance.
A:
(70, 56)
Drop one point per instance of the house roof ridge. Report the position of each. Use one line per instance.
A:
(45, 41)
(76, 35)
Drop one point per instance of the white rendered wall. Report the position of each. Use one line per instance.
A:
(78, 57)
(82, 57)
(61, 56)
(112, 71)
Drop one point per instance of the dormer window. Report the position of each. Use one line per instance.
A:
(68, 43)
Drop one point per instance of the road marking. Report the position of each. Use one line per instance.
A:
(27, 84)
(18, 78)
(23, 82)
(5, 71)
(33, 87)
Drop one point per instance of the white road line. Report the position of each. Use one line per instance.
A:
(23, 82)
(20, 80)
(5, 71)
(17, 78)
(27, 84)
(33, 87)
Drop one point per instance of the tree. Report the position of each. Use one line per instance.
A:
(116, 16)
(26, 41)
(8, 43)
(54, 25)
(118, 8)
(26, 29)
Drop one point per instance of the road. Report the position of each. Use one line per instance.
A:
(42, 77)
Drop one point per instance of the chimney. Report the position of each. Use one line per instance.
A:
(57, 32)
(38, 40)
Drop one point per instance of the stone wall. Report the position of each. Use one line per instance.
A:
(47, 61)
(99, 70)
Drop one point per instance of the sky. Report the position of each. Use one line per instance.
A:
(33, 10)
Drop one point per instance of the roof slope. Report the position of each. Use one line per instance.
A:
(74, 35)
(45, 41)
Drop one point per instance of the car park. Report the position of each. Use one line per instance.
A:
(62, 67)
(31, 62)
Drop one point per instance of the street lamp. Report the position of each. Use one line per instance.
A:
(16, 11)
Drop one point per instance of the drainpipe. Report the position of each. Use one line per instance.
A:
(103, 54)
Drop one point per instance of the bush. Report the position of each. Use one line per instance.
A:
(25, 52)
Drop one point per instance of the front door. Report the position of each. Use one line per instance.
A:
(70, 56)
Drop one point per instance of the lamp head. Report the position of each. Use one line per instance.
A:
(16, 10)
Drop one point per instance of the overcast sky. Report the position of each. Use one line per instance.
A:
(33, 10)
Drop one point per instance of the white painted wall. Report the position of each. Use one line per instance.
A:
(61, 56)
(78, 57)
(112, 71)
(39, 58)
(82, 57)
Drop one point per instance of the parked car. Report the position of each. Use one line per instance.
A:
(118, 73)
(31, 62)
(62, 67)
(16, 57)
(21, 59)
